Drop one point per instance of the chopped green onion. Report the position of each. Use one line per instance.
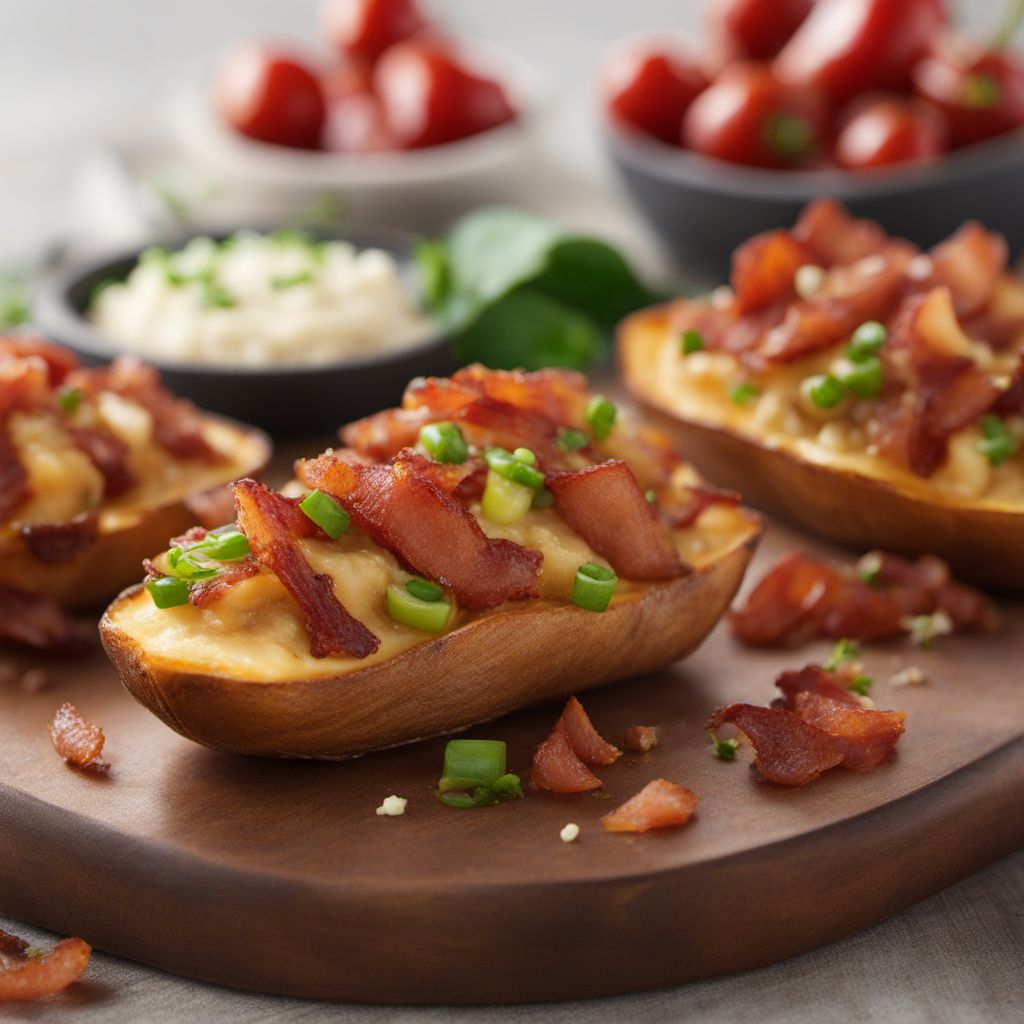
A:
(517, 467)
(571, 439)
(864, 379)
(925, 628)
(504, 501)
(997, 444)
(291, 236)
(216, 297)
(168, 592)
(593, 587)
(475, 774)
(725, 749)
(186, 568)
(425, 590)
(444, 443)
(869, 568)
(508, 786)
(69, 399)
(861, 684)
(744, 392)
(283, 281)
(406, 608)
(844, 652)
(460, 800)
(824, 391)
(651, 496)
(867, 340)
(692, 341)
(326, 513)
(543, 498)
(228, 544)
(601, 417)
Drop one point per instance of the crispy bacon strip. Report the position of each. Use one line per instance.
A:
(208, 592)
(763, 269)
(24, 977)
(787, 750)
(54, 543)
(589, 745)
(641, 737)
(814, 679)
(557, 768)
(271, 523)
(405, 511)
(864, 735)
(383, 435)
(32, 620)
(605, 506)
(969, 264)
(682, 506)
(14, 489)
(833, 237)
(59, 361)
(109, 454)
(77, 740)
(660, 804)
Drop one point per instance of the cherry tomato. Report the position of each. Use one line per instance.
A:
(356, 124)
(889, 130)
(270, 96)
(754, 29)
(846, 47)
(747, 116)
(652, 89)
(979, 92)
(363, 29)
(429, 97)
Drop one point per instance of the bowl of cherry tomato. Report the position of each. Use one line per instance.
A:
(390, 103)
(879, 103)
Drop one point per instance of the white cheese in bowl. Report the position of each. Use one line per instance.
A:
(261, 300)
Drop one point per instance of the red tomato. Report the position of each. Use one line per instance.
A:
(846, 47)
(363, 29)
(748, 117)
(754, 29)
(979, 92)
(429, 97)
(270, 96)
(890, 130)
(356, 124)
(651, 90)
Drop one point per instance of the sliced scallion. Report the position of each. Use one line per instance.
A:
(407, 609)
(444, 443)
(724, 749)
(997, 443)
(516, 466)
(504, 501)
(571, 439)
(168, 592)
(69, 399)
(283, 281)
(692, 341)
(867, 340)
(475, 774)
(425, 590)
(824, 391)
(864, 379)
(601, 417)
(744, 392)
(593, 587)
(326, 513)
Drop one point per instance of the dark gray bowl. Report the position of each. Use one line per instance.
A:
(701, 209)
(284, 400)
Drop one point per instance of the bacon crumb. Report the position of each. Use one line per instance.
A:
(660, 804)
(560, 762)
(641, 737)
(77, 740)
(25, 977)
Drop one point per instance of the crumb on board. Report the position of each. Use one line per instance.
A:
(570, 832)
(392, 806)
(909, 676)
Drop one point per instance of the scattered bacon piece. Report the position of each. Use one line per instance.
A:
(590, 746)
(660, 804)
(787, 750)
(682, 506)
(14, 489)
(384, 434)
(605, 506)
(404, 510)
(763, 269)
(78, 741)
(24, 977)
(207, 592)
(557, 768)
(866, 736)
(833, 237)
(61, 542)
(641, 737)
(39, 622)
(271, 523)
(560, 395)
(969, 264)
(109, 454)
(59, 361)
(814, 679)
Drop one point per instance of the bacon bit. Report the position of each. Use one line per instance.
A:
(207, 592)
(763, 269)
(660, 804)
(558, 769)
(589, 745)
(969, 264)
(559, 395)
(78, 741)
(865, 736)
(271, 522)
(682, 505)
(39, 622)
(59, 361)
(108, 453)
(213, 508)
(466, 481)
(14, 489)
(787, 750)
(605, 506)
(816, 680)
(24, 977)
(382, 436)
(833, 237)
(54, 543)
(404, 510)
(641, 737)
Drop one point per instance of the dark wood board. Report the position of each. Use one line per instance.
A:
(279, 877)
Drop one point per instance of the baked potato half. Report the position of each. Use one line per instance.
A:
(325, 641)
(101, 467)
(883, 410)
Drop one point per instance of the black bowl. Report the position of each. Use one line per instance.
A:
(702, 209)
(285, 400)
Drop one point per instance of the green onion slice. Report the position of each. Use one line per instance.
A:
(405, 608)
(516, 466)
(867, 340)
(69, 399)
(601, 416)
(505, 502)
(844, 652)
(692, 341)
(168, 592)
(824, 391)
(225, 544)
(997, 443)
(326, 513)
(864, 379)
(444, 443)
(470, 763)
(861, 684)
(593, 587)
(425, 590)
(725, 749)
(571, 439)
(744, 392)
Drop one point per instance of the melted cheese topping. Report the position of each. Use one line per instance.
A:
(257, 631)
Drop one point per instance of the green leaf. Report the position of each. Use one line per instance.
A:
(528, 329)
(434, 272)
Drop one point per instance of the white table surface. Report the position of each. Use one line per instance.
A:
(74, 74)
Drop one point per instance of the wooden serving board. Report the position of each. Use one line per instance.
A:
(279, 876)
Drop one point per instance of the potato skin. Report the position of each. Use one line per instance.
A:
(983, 545)
(115, 559)
(532, 653)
